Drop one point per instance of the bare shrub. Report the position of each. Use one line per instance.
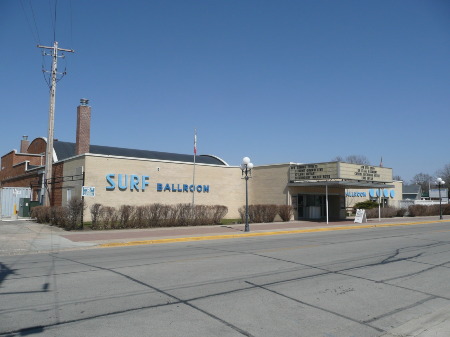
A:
(241, 211)
(59, 217)
(157, 215)
(430, 210)
(446, 209)
(140, 216)
(171, 213)
(418, 210)
(259, 213)
(219, 212)
(185, 214)
(269, 212)
(385, 212)
(285, 212)
(75, 209)
(401, 211)
(41, 214)
(255, 214)
(125, 214)
(200, 215)
(95, 213)
(108, 217)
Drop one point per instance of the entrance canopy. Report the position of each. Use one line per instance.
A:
(340, 184)
(340, 176)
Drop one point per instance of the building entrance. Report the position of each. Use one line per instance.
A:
(311, 206)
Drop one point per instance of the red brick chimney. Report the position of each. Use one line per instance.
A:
(83, 127)
(24, 143)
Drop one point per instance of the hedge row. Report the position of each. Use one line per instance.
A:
(65, 217)
(266, 213)
(155, 215)
(413, 210)
(126, 216)
(423, 210)
(386, 212)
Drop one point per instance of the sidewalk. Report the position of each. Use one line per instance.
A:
(24, 236)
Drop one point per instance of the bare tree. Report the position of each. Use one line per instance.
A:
(444, 173)
(353, 159)
(338, 158)
(424, 180)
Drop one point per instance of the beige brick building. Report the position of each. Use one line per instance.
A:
(119, 176)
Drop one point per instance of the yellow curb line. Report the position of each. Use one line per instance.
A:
(246, 235)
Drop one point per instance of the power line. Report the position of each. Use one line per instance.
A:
(35, 35)
(35, 24)
(54, 29)
(53, 18)
(71, 23)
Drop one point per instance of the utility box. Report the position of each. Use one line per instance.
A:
(24, 207)
(33, 204)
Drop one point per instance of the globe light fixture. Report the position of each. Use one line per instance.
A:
(440, 182)
(246, 168)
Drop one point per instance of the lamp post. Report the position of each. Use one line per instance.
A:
(246, 168)
(440, 182)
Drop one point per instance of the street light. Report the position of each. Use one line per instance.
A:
(440, 182)
(246, 168)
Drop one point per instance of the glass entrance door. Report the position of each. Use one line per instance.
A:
(311, 206)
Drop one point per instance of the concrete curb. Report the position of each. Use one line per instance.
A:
(265, 233)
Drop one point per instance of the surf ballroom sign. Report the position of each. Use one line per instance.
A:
(134, 182)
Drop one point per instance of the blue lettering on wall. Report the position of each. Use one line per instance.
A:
(138, 183)
(145, 182)
(182, 188)
(355, 194)
(133, 181)
(122, 185)
(110, 180)
(372, 193)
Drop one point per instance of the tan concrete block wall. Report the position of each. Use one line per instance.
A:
(224, 183)
(268, 185)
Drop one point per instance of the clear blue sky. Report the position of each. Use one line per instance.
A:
(278, 81)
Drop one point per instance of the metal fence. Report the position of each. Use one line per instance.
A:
(10, 199)
(406, 203)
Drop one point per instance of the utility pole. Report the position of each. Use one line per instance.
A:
(51, 120)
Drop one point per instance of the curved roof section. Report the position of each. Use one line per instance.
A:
(66, 150)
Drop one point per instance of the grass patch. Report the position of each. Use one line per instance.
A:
(230, 221)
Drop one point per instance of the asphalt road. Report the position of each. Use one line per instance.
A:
(353, 283)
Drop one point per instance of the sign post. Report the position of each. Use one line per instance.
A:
(360, 216)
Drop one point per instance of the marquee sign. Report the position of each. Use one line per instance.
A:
(339, 170)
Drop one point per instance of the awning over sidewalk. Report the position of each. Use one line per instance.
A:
(344, 184)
